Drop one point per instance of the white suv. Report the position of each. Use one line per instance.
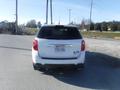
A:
(58, 45)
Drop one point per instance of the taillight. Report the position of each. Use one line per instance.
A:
(35, 45)
(83, 45)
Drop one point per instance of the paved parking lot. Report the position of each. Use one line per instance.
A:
(102, 69)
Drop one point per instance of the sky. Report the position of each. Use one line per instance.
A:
(103, 10)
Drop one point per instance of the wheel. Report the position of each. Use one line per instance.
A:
(80, 66)
(35, 67)
(38, 67)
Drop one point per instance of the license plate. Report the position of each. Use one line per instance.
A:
(59, 48)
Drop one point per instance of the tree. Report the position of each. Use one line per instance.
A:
(7, 27)
(31, 24)
(39, 24)
(114, 26)
(82, 26)
(98, 27)
(71, 23)
(92, 26)
(118, 26)
(104, 26)
(12, 27)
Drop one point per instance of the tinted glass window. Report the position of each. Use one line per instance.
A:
(59, 33)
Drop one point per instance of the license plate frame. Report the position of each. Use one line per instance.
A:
(60, 48)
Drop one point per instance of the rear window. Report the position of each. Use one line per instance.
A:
(59, 33)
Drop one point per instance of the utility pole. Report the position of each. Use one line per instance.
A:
(51, 11)
(16, 22)
(69, 16)
(91, 7)
(47, 12)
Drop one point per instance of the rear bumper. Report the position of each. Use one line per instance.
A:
(41, 61)
(38, 65)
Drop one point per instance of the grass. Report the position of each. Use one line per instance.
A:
(112, 35)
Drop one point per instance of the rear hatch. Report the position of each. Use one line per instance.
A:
(59, 42)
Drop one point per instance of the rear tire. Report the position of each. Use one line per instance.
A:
(38, 67)
(80, 66)
(35, 67)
